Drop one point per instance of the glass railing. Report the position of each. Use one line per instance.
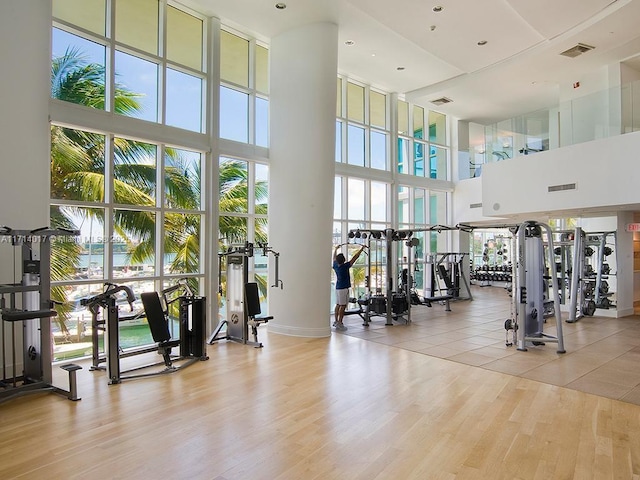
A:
(602, 114)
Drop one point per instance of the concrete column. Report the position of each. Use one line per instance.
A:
(302, 168)
(25, 86)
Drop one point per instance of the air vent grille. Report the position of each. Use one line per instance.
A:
(561, 188)
(441, 101)
(475, 205)
(579, 49)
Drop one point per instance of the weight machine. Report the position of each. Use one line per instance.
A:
(192, 319)
(394, 300)
(531, 305)
(381, 298)
(33, 310)
(446, 268)
(242, 296)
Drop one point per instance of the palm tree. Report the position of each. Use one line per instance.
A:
(78, 174)
(233, 187)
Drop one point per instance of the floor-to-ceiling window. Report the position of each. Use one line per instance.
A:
(135, 151)
(373, 191)
(243, 180)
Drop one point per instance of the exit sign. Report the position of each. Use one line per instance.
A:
(633, 227)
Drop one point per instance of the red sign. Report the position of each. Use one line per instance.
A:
(633, 227)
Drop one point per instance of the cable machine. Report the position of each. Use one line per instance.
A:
(242, 297)
(531, 303)
(393, 299)
(447, 268)
(30, 308)
(384, 297)
(530, 300)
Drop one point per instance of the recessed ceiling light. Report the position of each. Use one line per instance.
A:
(281, 6)
(482, 42)
(399, 68)
(349, 43)
(437, 8)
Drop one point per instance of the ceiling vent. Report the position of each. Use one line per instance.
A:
(561, 188)
(579, 49)
(441, 101)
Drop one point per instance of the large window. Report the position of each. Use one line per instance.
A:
(243, 195)
(360, 204)
(362, 126)
(134, 197)
(421, 153)
(389, 177)
(244, 85)
(143, 83)
(139, 210)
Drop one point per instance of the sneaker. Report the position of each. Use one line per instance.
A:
(340, 327)
(335, 323)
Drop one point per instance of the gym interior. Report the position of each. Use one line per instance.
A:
(171, 199)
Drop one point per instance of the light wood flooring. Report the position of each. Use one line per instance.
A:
(375, 404)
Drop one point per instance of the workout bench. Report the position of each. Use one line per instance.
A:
(440, 298)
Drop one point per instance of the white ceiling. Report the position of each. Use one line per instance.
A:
(519, 70)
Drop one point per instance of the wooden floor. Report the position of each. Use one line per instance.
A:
(342, 407)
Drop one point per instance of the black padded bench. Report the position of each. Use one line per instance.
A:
(13, 315)
(159, 325)
(440, 298)
(252, 304)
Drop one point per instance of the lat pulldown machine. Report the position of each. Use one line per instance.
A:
(242, 296)
(531, 304)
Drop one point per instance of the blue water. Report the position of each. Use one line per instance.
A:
(119, 260)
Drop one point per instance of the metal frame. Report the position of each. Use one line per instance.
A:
(34, 314)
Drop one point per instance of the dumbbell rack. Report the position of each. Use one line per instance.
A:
(597, 270)
(488, 275)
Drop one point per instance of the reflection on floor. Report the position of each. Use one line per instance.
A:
(602, 354)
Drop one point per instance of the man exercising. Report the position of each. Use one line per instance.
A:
(343, 283)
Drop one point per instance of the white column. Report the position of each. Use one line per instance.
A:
(301, 176)
(25, 30)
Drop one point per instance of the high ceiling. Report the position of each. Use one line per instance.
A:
(518, 70)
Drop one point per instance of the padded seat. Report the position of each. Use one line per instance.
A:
(158, 324)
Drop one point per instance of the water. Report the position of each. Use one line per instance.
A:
(129, 336)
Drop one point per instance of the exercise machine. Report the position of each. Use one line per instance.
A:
(443, 275)
(243, 312)
(191, 341)
(382, 297)
(29, 310)
(531, 302)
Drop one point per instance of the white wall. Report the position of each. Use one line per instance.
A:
(467, 203)
(605, 172)
(25, 29)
